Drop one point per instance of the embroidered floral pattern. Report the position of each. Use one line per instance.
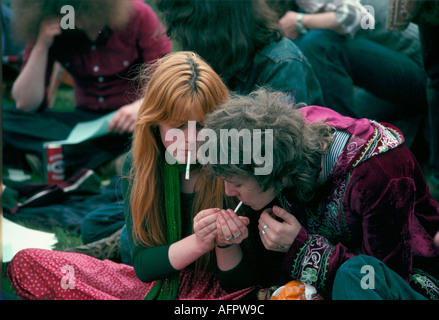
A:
(427, 283)
(382, 140)
(312, 260)
(329, 219)
(309, 276)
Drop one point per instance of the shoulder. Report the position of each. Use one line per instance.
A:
(142, 13)
(278, 51)
(386, 173)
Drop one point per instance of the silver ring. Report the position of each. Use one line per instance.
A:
(263, 232)
(237, 236)
(228, 239)
(264, 227)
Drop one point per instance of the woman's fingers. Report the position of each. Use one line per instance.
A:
(278, 235)
(205, 222)
(212, 212)
(233, 227)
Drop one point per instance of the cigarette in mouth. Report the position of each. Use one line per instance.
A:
(188, 165)
(238, 206)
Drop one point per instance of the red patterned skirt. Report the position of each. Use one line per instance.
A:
(56, 275)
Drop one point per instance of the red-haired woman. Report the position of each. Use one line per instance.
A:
(171, 220)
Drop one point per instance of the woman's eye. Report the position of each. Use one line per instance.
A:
(237, 186)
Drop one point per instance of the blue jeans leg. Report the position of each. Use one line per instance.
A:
(125, 252)
(342, 62)
(102, 223)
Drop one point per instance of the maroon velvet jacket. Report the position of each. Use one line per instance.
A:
(374, 202)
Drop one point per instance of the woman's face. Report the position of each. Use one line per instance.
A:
(179, 140)
(247, 190)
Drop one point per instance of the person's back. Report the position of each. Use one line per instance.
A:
(246, 48)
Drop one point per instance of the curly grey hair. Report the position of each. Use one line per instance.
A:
(297, 147)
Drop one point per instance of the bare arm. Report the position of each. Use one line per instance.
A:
(29, 89)
(325, 20)
(182, 253)
(343, 17)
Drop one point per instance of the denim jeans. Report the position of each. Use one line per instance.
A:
(343, 64)
(367, 278)
(102, 223)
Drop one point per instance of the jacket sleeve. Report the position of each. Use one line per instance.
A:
(278, 68)
(380, 208)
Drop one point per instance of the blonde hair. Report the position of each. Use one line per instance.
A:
(182, 84)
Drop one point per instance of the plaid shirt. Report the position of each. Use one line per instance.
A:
(349, 13)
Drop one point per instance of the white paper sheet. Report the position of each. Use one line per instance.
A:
(17, 237)
(89, 129)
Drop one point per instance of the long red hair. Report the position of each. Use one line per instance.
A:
(181, 84)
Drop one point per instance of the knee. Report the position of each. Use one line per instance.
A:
(19, 265)
(24, 256)
(102, 223)
(356, 269)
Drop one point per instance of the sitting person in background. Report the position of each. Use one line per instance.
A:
(426, 15)
(243, 43)
(348, 48)
(103, 48)
(338, 188)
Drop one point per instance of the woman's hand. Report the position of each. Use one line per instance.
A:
(289, 24)
(125, 118)
(49, 28)
(231, 228)
(278, 235)
(205, 228)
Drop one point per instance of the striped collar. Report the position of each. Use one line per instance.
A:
(339, 142)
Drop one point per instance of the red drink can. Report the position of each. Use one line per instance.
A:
(54, 162)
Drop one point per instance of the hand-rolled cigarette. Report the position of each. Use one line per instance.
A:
(188, 165)
(238, 206)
